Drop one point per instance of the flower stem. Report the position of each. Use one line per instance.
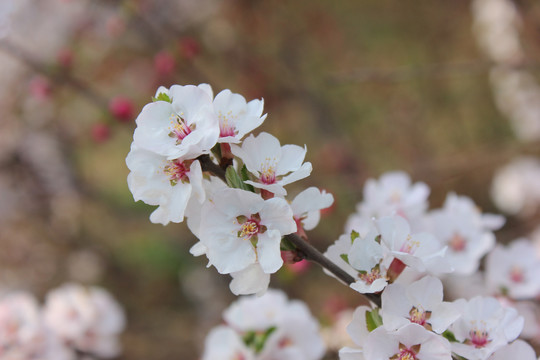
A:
(208, 165)
(309, 251)
(314, 255)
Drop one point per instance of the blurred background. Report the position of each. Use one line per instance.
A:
(367, 86)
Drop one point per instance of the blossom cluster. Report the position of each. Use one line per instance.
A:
(269, 327)
(75, 320)
(192, 156)
(181, 138)
(414, 323)
(393, 246)
(392, 231)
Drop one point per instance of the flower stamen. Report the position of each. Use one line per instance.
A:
(410, 245)
(177, 171)
(268, 171)
(179, 127)
(478, 336)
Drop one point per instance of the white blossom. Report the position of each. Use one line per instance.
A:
(420, 251)
(273, 165)
(336, 251)
(514, 270)
(391, 194)
(184, 128)
(409, 342)
(240, 229)
(358, 331)
(366, 255)
(307, 206)
(236, 117)
(467, 233)
(23, 335)
(484, 327)
(519, 349)
(170, 184)
(385, 250)
(293, 331)
(251, 280)
(223, 343)
(421, 302)
(89, 319)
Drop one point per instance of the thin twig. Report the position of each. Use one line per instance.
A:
(309, 251)
(312, 254)
(208, 165)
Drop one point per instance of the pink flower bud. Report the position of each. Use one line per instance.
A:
(164, 63)
(299, 267)
(100, 132)
(121, 108)
(40, 88)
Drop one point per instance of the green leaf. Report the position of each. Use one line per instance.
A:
(257, 340)
(345, 257)
(249, 338)
(244, 174)
(261, 339)
(233, 180)
(373, 319)
(216, 150)
(354, 235)
(449, 336)
(162, 97)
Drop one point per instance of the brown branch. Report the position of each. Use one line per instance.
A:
(208, 165)
(312, 254)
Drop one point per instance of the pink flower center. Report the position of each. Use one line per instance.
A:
(176, 171)
(457, 243)
(239, 356)
(180, 129)
(268, 171)
(226, 127)
(284, 342)
(370, 277)
(516, 274)
(479, 338)
(419, 316)
(406, 353)
(248, 229)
